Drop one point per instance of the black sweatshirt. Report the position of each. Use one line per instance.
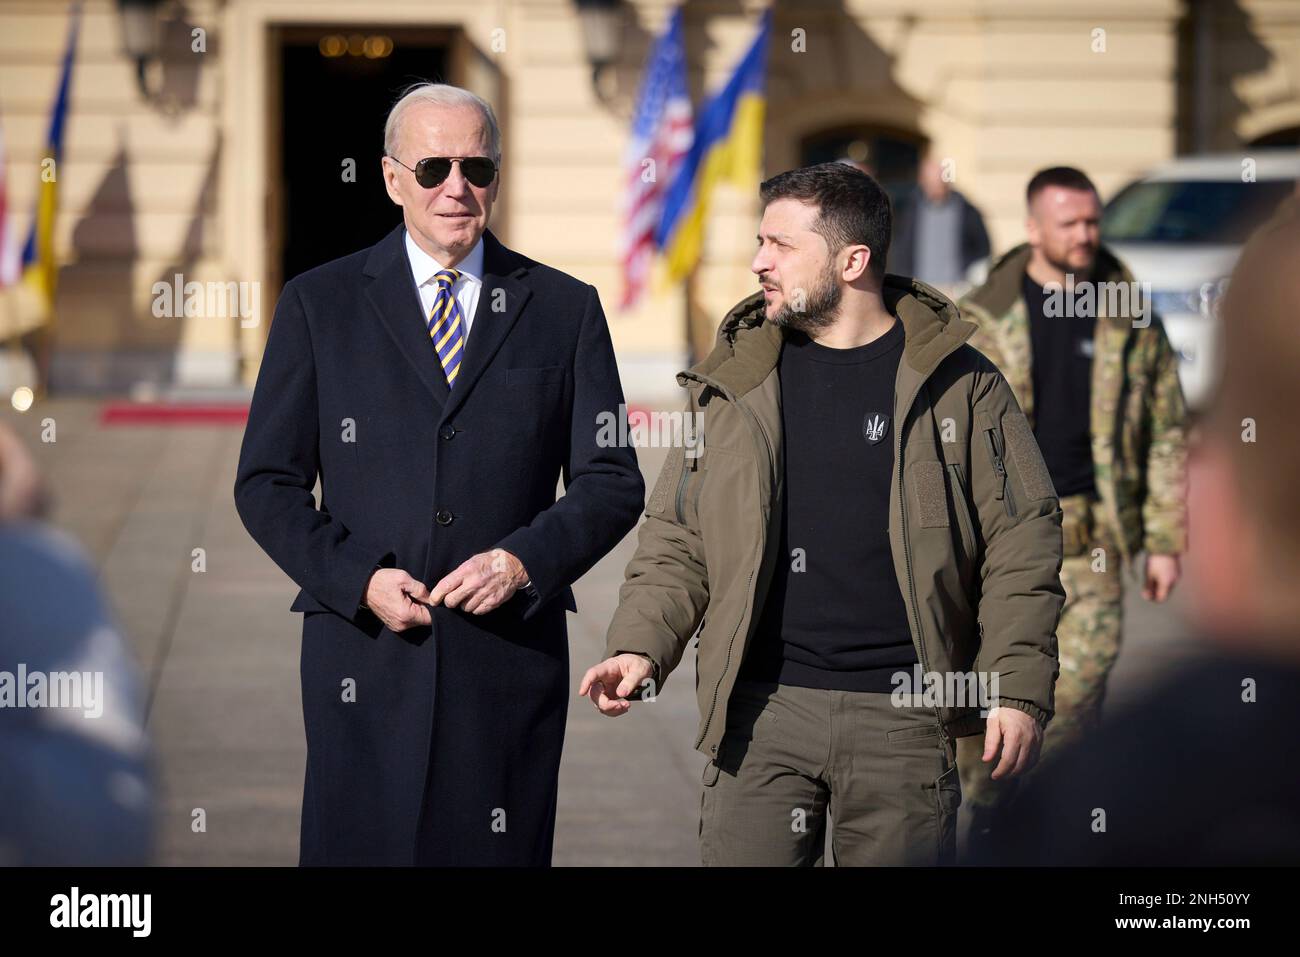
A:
(834, 615)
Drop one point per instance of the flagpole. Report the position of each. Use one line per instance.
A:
(41, 354)
(688, 314)
(731, 119)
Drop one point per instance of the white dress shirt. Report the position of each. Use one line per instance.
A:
(466, 289)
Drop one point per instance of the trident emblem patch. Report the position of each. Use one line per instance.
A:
(874, 427)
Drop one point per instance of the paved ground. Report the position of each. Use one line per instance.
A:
(220, 650)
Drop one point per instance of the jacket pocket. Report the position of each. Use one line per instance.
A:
(540, 374)
(1025, 454)
(927, 484)
(667, 491)
(711, 771)
(961, 505)
(679, 501)
(994, 445)
(306, 603)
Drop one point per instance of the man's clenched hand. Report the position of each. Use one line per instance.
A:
(395, 597)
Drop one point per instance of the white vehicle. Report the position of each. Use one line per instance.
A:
(1180, 228)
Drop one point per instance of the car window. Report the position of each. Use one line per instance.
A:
(1191, 211)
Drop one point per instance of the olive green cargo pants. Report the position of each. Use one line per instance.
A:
(791, 756)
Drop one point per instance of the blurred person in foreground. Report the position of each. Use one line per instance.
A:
(1197, 772)
(1098, 380)
(76, 782)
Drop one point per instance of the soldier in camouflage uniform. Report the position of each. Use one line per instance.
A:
(1111, 425)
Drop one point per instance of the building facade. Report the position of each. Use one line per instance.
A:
(247, 147)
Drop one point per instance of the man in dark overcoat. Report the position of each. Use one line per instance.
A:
(438, 385)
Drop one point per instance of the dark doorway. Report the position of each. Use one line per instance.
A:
(337, 84)
(891, 156)
(1286, 137)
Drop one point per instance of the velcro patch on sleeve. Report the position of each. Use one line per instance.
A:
(1027, 457)
(666, 487)
(931, 495)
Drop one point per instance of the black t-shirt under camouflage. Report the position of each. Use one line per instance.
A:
(1061, 365)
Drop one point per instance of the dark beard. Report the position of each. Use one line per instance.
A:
(1081, 274)
(820, 309)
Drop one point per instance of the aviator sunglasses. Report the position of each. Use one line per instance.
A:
(432, 170)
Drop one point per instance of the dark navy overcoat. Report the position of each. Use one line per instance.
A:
(436, 745)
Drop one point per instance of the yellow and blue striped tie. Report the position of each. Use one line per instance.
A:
(446, 328)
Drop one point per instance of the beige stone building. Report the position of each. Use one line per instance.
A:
(224, 159)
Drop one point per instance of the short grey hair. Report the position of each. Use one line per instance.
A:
(441, 94)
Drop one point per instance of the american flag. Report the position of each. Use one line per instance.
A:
(661, 137)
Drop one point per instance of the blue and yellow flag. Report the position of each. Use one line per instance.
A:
(39, 270)
(728, 145)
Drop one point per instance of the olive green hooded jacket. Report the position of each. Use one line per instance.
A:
(974, 523)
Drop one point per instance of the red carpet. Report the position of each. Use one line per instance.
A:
(171, 413)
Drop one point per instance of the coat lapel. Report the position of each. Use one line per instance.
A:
(392, 294)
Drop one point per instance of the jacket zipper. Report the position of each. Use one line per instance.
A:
(762, 544)
(681, 495)
(907, 554)
(1000, 468)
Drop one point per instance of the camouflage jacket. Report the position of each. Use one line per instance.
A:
(1139, 447)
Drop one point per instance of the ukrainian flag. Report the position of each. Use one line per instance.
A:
(728, 145)
(39, 270)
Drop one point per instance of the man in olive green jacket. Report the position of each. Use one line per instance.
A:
(1097, 379)
(968, 527)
